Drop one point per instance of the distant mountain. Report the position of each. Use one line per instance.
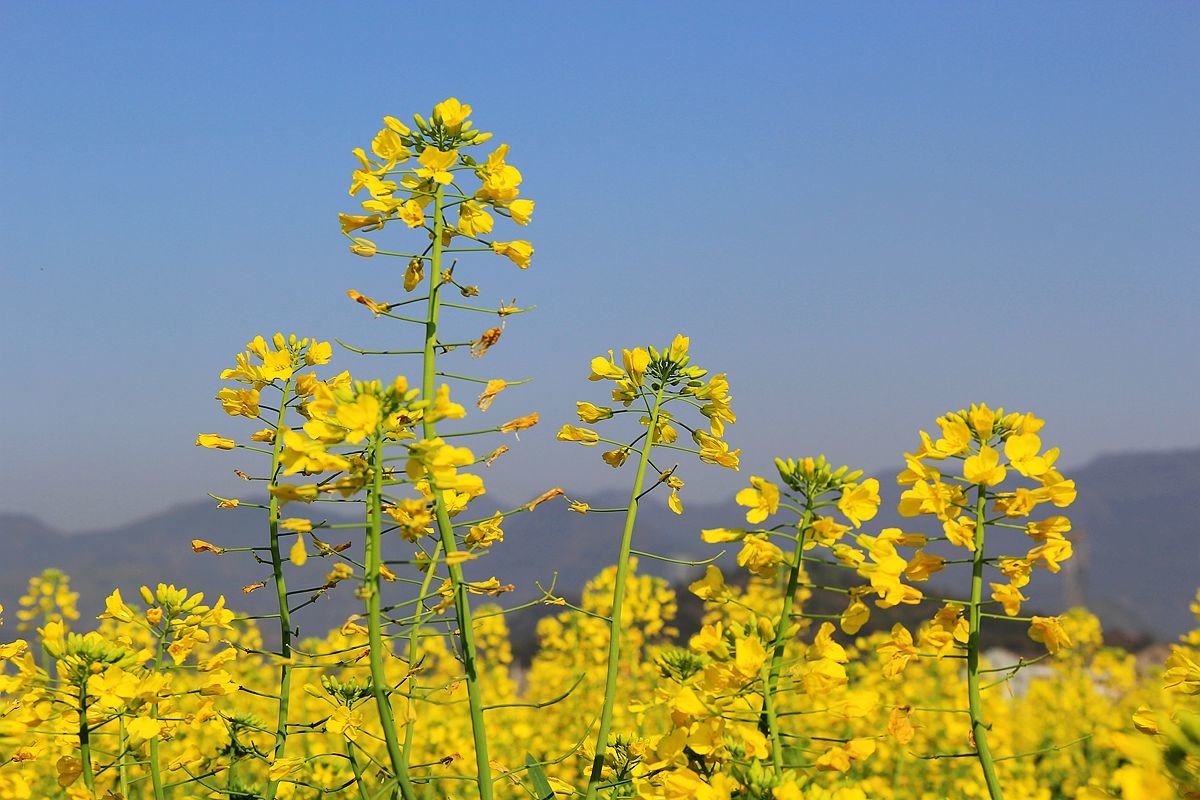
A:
(1136, 524)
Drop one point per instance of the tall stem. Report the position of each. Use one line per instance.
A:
(462, 607)
(85, 741)
(371, 587)
(974, 696)
(155, 769)
(614, 628)
(414, 648)
(766, 722)
(285, 621)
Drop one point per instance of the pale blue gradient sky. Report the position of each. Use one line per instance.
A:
(865, 215)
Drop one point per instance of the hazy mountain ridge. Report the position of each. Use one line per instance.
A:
(1138, 566)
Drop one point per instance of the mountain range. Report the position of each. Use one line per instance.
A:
(1137, 563)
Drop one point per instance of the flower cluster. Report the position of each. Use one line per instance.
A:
(654, 379)
(406, 194)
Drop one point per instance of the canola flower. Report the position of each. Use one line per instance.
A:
(652, 379)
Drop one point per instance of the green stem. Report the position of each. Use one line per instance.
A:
(769, 719)
(974, 696)
(155, 770)
(122, 758)
(766, 724)
(614, 628)
(371, 588)
(285, 622)
(85, 743)
(462, 606)
(358, 777)
(414, 644)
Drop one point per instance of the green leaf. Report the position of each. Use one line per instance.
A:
(541, 785)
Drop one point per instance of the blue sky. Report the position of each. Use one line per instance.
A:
(866, 215)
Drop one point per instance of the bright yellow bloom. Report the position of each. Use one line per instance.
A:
(984, 469)
(716, 451)
(435, 164)
(855, 616)
(473, 220)
(712, 586)
(1009, 597)
(360, 418)
(922, 565)
(411, 214)
(451, 113)
(1050, 553)
(592, 414)
(239, 402)
(860, 502)
(762, 497)
(983, 420)
(318, 353)
(759, 555)
(518, 251)
(897, 651)
(1049, 631)
(521, 211)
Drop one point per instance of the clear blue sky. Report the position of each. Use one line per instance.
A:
(866, 215)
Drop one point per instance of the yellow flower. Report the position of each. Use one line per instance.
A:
(451, 113)
(318, 353)
(345, 722)
(605, 369)
(215, 441)
(922, 565)
(1017, 570)
(984, 469)
(762, 498)
(591, 414)
(711, 587)
(444, 408)
(759, 555)
(1049, 631)
(411, 214)
(286, 492)
(518, 251)
(674, 503)
(435, 165)
(716, 451)
(983, 420)
(897, 651)
(363, 247)
(1008, 596)
(855, 616)
(860, 502)
(239, 402)
(387, 145)
(615, 458)
(1050, 553)
(570, 433)
(473, 220)
(360, 418)
(1022, 452)
(521, 211)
